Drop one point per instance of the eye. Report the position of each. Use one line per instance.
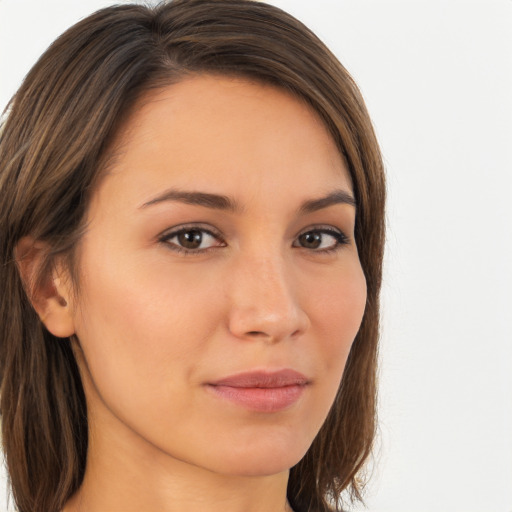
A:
(322, 239)
(192, 240)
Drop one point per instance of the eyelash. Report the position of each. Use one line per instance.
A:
(339, 236)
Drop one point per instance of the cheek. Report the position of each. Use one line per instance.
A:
(339, 308)
(141, 328)
(335, 311)
(144, 342)
(336, 315)
(140, 316)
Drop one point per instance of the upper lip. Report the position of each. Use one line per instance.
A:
(263, 379)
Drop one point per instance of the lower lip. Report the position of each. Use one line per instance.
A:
(260, 399)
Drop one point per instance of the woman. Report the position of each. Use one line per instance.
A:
(191, 232)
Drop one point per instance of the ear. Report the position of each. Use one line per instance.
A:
(51, 295)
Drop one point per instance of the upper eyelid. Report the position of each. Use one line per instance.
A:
(326, 229)
(321, 227)
(171, 232)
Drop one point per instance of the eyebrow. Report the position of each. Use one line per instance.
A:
(222, 202)
(335, 197)
(215, 201)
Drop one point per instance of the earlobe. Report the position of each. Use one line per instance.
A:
(46, 290)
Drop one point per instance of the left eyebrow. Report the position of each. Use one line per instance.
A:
(336, 197)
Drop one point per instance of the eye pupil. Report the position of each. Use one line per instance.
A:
(190, 239)
(311, 240)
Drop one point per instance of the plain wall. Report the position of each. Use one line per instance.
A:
(437, 78)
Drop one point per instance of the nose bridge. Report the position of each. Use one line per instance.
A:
(264, 302)
(271, 284)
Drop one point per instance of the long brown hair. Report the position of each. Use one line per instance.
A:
(55, 143)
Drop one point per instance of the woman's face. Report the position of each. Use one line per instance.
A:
(220, 285)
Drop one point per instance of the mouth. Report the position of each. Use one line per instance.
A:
(261, 391)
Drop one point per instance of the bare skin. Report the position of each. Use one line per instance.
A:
(268, 286)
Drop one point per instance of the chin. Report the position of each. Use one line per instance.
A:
(259, 461)
(256, 468)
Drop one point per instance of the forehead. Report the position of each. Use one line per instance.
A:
(226, 133)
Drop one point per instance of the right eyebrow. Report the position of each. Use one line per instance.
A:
(206, 199)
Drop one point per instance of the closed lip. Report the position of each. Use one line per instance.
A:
(261, 391)
(263, 379)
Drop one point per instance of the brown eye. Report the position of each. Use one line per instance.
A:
(190, 239)
(321, 240)
(310, 240)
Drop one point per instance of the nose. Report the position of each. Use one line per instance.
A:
(264, 301)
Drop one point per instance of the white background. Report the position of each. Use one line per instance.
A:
(437, 78)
